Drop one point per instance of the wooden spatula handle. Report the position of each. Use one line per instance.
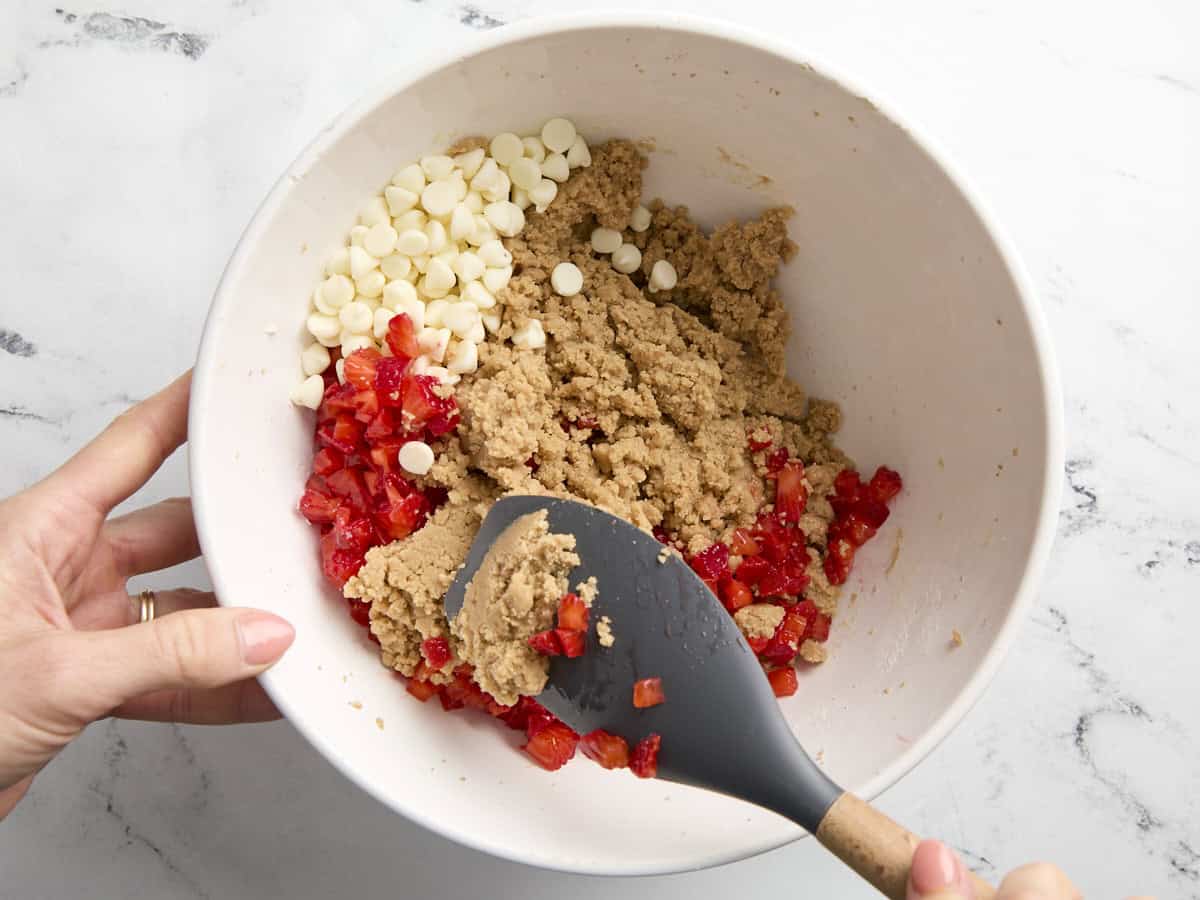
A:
(876, 847)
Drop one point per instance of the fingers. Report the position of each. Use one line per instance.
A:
(937, 872)
(1037, 881)
(244, 701)
(189, 649)
(157, 537)
(124, 456)
(12, 795)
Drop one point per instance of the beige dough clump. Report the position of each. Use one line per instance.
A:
(513, 596)
(640, 403)
(759, 620)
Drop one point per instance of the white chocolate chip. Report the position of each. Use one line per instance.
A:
(357, 233)
(437, 166)
(505, 148)
(534, 148)
(505, 216)
(663, 276)
(440, 198)
(371, 284)
(558, 135)
(626, 258)
(314, 359)
(462, 222)
(436, 232)
(479, 296)
(361, 262)
(395, 267)
(487, 175)
(434, 310)
(374, 212)
(354, 342)
(639, 220)
(495, 254)
(380, 240)
(399, 200)
(566, 279)
(555, 166)
(411, 178)
(433, 342)
(543, 194)
(356, 317)
(495, 280)
(499, 189)
(578, 154)
(337, 291)
(397, 293)
(380, 320)
(412, 242)
(520, 196)
(460, 317)
(529, 336)
(309, 392)
(416, 457)
(606, 240)
(468, 266)
(470, 161)
(474, 202)
(338, 262)
(483, 232)
(463, 359)
(439, 278)
(525, 173)
(318, 301)
(491, 321)
(414, 218)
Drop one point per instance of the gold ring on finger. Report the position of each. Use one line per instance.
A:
(146, 606)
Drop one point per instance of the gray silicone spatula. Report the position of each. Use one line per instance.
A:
(719, 711)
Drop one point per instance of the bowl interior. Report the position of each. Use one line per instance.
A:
(904, 309)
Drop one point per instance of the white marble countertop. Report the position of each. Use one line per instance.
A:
(134, 151)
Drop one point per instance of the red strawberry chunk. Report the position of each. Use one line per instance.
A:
(359, 368)
(791, 494)
(734, 594)
(572, 613)
(360, 612)
(755, 444)
(338, 565)
(318, 508)
(422, 690)
(552, 746)
(609, 750)
(348, 484)
(572, 641)
(785, 643)
(643, 761)
(752, 570)
(420, 402)
(818, 628)
(648, 692)
(547, 643)
(783, 681)
(885, 484)
(517, 716)
(712, 562)
(847, 484)
(402, 337)
(436, 651)
(776, 460)
(839, 557)
(742, 543)
(326, 461)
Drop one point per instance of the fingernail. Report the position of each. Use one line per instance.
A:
(264, 637)
(934, 868)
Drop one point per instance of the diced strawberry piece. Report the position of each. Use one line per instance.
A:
(386, 425)
(389, 379)
(348, 484)
(436, 651)
(734, 594)
(338, 565)
(872, 512)
(785, 643)
(450, 699)
(855, 529)
(782, 581)
(839, 557)
(326, 461)
(758, 644)
(791, 494)
(359, 368)
(373, 481)
(818, 628)
(401, 518)
(402, 337)
(884, 485)
(752, 570)
(547, 643)
(572, 641)
(648, 692)
(609, 750)
(318, 508)
(360, 612)
(742, 543)
(847, 484)
(776, 460)
(643, 761)
(783, 681)
(660, 534)
(422, 690)
(572, 613)
(517, 716)
(341, 433)
(442, 423)
(712, 562)
(349, 533)
(755, 444)
(421, 403)
(338, 399)
(553, 746)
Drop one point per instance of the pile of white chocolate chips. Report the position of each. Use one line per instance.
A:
(430, 245)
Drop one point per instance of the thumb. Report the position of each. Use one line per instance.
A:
(937, 872)
(197, 648)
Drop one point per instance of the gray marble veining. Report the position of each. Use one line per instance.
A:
(139, 138)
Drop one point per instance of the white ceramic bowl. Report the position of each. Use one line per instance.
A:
(907, 307)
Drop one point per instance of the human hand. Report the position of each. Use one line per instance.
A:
(70, 652)
(938, 874)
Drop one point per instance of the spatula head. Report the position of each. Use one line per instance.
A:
(720, 725)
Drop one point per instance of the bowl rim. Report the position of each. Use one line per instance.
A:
(711, 27)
